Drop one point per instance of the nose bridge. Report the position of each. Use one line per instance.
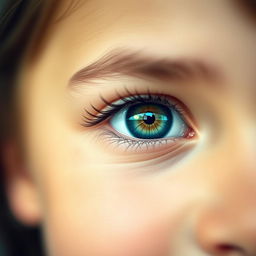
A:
(239, 137)
(227, 223)
(233, 154)
(236, 163)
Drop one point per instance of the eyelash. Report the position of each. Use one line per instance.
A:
(125, 101)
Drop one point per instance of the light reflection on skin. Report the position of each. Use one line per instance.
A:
(82, 190)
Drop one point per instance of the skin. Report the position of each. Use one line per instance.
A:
(95, 198)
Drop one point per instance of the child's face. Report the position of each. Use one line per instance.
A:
(171, 173)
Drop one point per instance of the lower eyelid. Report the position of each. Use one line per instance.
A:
(121, 144)
(138, 160)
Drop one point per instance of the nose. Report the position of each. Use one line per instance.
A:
(226, 224)
(227, 234)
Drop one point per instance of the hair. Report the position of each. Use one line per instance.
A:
(19, 22)
(23, 26)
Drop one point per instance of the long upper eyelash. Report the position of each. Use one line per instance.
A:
(113, 108)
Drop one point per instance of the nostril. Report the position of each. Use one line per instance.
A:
(228, 248)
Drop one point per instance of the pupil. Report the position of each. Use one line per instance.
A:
(149, 118)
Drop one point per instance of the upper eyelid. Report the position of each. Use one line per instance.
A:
(114, 108)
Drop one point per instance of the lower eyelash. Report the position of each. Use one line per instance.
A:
(140, 145)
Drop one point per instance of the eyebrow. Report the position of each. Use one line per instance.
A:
(143, 65)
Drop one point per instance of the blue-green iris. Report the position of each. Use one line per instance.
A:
(149, 121)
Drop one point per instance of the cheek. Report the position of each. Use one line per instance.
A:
(95, 209)
(96, 216)
(105, 225)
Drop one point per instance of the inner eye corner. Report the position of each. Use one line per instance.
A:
(191, 134)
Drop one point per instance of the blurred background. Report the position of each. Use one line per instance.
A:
(2, 249)
(15, 239)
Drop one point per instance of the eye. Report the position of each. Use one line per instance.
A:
(149, 121)
(142, 122)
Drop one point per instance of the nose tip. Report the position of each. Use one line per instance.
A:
(220, 235)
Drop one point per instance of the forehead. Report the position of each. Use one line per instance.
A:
(164, 25)
(140, 11)
(214, 30)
